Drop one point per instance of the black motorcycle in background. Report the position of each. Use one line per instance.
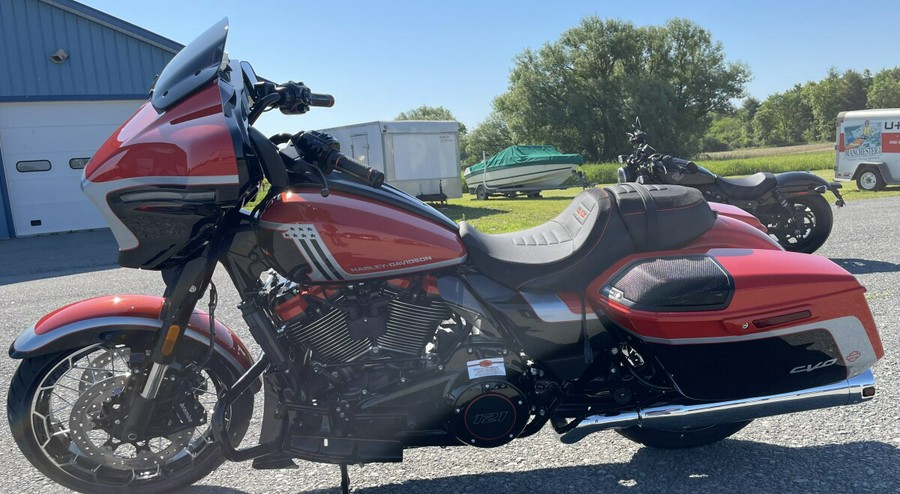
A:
(790, 205)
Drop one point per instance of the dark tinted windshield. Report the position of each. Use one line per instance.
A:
(194, 66)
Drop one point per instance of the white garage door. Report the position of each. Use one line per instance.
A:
(45, 146)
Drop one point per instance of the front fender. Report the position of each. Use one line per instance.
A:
(88, 321)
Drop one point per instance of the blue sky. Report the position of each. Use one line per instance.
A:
(379, 58)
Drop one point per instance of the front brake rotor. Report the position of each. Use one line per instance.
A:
(97, 441)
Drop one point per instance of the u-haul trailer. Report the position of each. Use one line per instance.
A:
(868, 148)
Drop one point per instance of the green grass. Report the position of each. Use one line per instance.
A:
(500, 215)
(776, 164)
(815, 147)
(603, 173)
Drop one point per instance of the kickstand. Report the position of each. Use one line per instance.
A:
(345, 479)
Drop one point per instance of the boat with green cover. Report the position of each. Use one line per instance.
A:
(523, 167)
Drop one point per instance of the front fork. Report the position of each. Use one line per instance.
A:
(184, 287)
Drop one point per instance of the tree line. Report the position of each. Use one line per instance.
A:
(582, 92)
(804, 113)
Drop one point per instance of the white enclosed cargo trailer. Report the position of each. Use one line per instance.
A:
(420, 157)
(868, 148)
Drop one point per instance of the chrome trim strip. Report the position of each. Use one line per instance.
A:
(30, 341)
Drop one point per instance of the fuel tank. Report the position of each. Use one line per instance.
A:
(690, 179)
(346, 236)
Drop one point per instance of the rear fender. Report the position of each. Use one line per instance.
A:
(91, 321)
(799, 182)
(737, 213)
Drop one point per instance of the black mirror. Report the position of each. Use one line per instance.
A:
(623, 158)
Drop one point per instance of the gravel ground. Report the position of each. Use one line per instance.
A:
(837, 450)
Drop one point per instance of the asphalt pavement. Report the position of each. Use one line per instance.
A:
(850, 449)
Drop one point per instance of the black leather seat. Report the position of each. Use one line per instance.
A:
(597, 229)
(748, 187)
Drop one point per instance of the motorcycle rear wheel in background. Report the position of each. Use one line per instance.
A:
(681, 438)
(812, 224)
(61, 408)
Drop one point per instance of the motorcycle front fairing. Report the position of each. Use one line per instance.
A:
(167, 176)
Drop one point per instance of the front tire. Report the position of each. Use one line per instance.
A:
(58, 408)
(809, 227)
(870, 180)
(681, 438)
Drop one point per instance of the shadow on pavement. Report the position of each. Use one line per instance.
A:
(728, 466)
(864, 266)
(49, 256)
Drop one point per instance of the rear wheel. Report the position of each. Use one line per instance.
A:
(870, 180)
(481, 193)
(809, 226)
(681, 438)
(63, 410)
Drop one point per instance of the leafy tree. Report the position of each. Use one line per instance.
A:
(581, 92)
(784, 118)
(727, 131)
(834, 94)
(885, 89)
(487, 139)
(748, 110)
(426, 112)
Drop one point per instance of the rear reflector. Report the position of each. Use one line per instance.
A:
(775, 321)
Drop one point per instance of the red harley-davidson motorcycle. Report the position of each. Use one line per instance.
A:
(384, 325)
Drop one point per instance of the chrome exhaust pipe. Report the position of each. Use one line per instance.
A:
(857, 389)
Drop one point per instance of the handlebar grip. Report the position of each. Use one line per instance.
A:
(319, 99)
(368, 175)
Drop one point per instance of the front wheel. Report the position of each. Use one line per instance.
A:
(808, 227)
(64, 409)
(681, 438)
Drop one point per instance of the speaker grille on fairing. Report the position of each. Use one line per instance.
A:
(666, 284)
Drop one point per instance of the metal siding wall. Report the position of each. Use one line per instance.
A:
(102, 61)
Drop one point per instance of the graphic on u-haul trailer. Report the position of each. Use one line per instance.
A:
(868, 148)
(862, 140)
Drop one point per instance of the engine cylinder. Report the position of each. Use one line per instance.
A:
(373, 320)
